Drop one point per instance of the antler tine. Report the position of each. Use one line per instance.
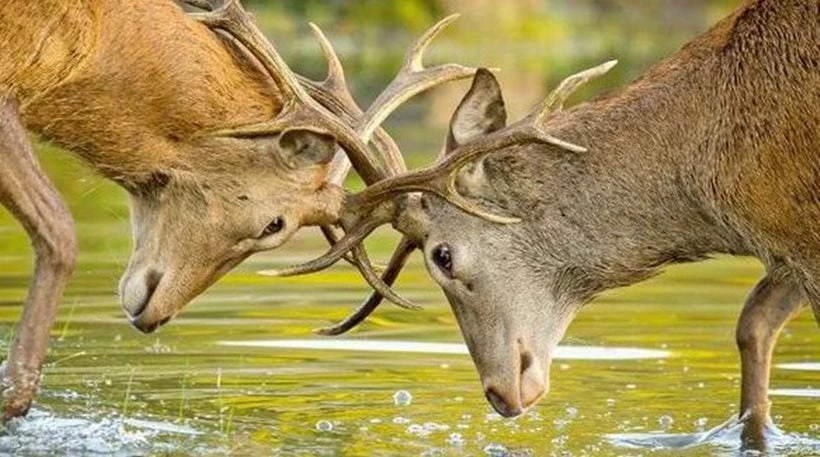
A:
(378, 285)
(556, 99)
(440, 178)
(335, 82)
(389, 276)
(351, 239)
(332, 238)
(414, 77)
(299, 110)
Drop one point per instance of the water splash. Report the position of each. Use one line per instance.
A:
(726, 436)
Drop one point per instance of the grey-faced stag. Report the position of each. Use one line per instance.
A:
(714, 150)
(223, 150)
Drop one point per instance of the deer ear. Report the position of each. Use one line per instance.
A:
(302, 148)
(479, 113)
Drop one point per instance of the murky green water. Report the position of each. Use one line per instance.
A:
(186, 391)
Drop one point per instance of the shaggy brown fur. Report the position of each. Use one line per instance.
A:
(714, 150)
(134, 87)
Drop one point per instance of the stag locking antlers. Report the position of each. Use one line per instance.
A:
(373, 207)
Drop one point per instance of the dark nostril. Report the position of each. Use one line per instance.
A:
(526, 361)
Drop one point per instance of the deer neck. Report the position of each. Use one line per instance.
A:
(153, 83)
(640, 198)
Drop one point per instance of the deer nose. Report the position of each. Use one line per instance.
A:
(515, 395)
(136, 291)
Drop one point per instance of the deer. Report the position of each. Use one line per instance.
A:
(223, 150)
(714, 150)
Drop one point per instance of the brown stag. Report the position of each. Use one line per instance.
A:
(223, 150)
(714, 150)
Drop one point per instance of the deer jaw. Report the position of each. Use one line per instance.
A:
(191, 227)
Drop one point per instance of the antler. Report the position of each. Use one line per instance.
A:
(299, 110)
(440, 178)
(553, 103)
(412, 79)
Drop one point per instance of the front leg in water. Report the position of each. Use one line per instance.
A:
(33, 200)
(772, 303)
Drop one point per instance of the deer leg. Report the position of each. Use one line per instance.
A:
(771, 304)
(30, 196)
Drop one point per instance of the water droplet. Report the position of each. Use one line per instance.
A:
(665, 421)
(455, 439)
(402, 398)
(324, 426)
(700, 424)
(495, 450)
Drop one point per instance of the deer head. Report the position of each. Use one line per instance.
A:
(502, 290)
(195, 223)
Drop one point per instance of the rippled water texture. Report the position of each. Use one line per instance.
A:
(645, 370)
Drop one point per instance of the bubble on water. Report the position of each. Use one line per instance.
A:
(496, 450)
(610, 402)
(665, 421)
(572, 411)
(701, 385)
(434, 427)
(444, 366)
(324, 425)
(416, 429)
(402, 398)
(401, 420)
(458, 399)
(700, 423)
(456, 439)
(814, 427)
(564, 366)
(631, 386)
(375, 421)
(466, 417)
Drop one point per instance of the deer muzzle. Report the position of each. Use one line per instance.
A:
(515, 388)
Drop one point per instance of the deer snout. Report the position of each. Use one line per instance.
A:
(136, 291)
(511, 396)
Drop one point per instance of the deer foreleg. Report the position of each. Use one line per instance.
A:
(767, 310)
(31, 197)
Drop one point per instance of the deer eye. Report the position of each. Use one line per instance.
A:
(273, 228)
(443, 259)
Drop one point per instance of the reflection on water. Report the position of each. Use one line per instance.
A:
(415, 347)
(658, 357)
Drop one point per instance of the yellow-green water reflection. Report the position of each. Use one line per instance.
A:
(188, 394)
(109, 389)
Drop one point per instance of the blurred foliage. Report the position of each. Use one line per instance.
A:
(535, 42)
